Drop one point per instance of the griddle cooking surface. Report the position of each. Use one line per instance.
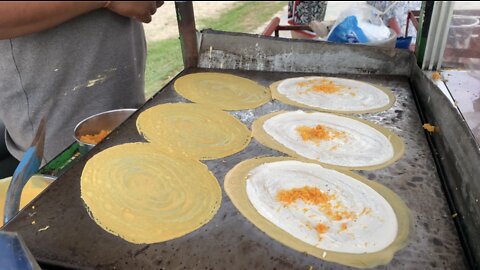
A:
(230, 241)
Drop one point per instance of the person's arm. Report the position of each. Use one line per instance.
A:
(22, 18)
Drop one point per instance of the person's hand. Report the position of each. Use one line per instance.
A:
(139, 10)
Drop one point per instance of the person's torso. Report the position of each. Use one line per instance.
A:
(90, 64)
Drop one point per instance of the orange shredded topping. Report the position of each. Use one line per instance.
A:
(430, 128)
(311, 195)
(319, 133)
(302, 84)
(323, 85)
(343, 227)
(326, 86)
(96, 138)
(344, 215)
(328, 210)
(321, 228)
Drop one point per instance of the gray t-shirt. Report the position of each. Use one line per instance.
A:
(90, 64)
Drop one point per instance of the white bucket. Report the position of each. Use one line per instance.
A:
(388, 43)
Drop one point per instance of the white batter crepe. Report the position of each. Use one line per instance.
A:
(333, 94)
(353, 217)
(329, 139)
(336, 216)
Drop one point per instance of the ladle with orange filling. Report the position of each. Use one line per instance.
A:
(95, 138)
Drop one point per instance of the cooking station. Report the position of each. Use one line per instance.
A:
(435, 177)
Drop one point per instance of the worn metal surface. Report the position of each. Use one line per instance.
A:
(14, 254)
(465, 89)
(250, 52)
(458, 153)
(230, 241)
(454, 150)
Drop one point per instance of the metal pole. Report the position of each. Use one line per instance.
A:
(188, 33)
(423, 29)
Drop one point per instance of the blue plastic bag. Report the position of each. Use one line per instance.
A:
(403, 42)
(348, 32)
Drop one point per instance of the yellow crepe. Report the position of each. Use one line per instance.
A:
(235, 187)
(34, 186)
(144, 196)
(264, 138)
(278, 96)
(225, 91)
(193, 130)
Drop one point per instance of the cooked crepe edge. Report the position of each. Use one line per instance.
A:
(235, 188)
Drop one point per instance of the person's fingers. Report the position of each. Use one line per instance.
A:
(146, 18)
(153, 8)
(159, 3)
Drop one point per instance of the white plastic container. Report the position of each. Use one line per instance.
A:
(388, 43)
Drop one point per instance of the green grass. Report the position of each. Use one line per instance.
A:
(244, 17)
(164, 58)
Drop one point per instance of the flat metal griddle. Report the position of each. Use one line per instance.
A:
(230, 241)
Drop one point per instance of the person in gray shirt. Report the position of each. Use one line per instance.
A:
(67, 61)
